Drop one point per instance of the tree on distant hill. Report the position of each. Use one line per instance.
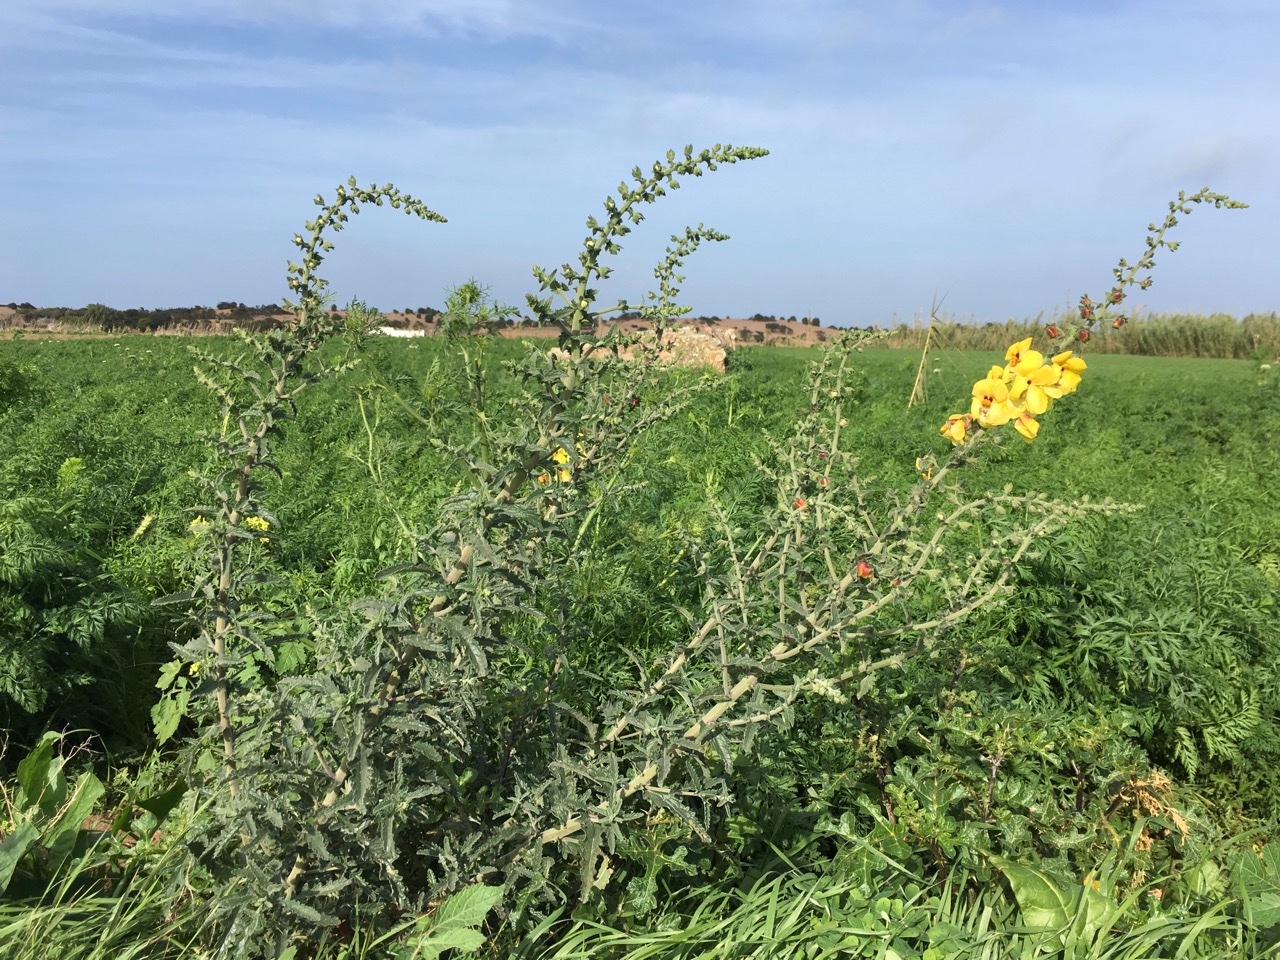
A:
(100, 315)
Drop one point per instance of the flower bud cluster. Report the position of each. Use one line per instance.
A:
(1018, 392)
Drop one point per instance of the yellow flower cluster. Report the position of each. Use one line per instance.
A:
(564, 472)
(200, 526)
(257, 523)
(1018, 392)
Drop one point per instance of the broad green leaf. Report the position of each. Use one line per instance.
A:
(1044, 904)
(451, 926)
(435, 942)
(162, 804)
(12, 849)
(467, 907)
(167, 714)
(61, 836)
(1094, 910)
(38, 778)
(168, 673)
(1258, 876)
(1264, 909)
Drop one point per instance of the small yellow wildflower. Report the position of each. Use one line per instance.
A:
(198, 526)
(1027, 426)
(564, 472)
(257, 523)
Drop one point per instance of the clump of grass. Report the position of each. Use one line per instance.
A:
(94, 911)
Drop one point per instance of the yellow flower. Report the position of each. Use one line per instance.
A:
(1033, 387)
(257, 523)
(990, 405)
(1027, 426)
(198, 526)
(1028, 360)
(1014, 355)
(955, 428)
(564, 472)
(1071, 367)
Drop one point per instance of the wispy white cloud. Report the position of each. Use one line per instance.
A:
(491, 18)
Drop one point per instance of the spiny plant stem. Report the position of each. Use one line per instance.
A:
(284, 356)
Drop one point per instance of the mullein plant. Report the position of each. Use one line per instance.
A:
(454, 728)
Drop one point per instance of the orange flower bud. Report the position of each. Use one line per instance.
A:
(864, 570)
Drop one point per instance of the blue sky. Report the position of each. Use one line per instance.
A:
(998, 157)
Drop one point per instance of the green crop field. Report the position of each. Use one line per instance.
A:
(320, 644)
(1093, 747)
